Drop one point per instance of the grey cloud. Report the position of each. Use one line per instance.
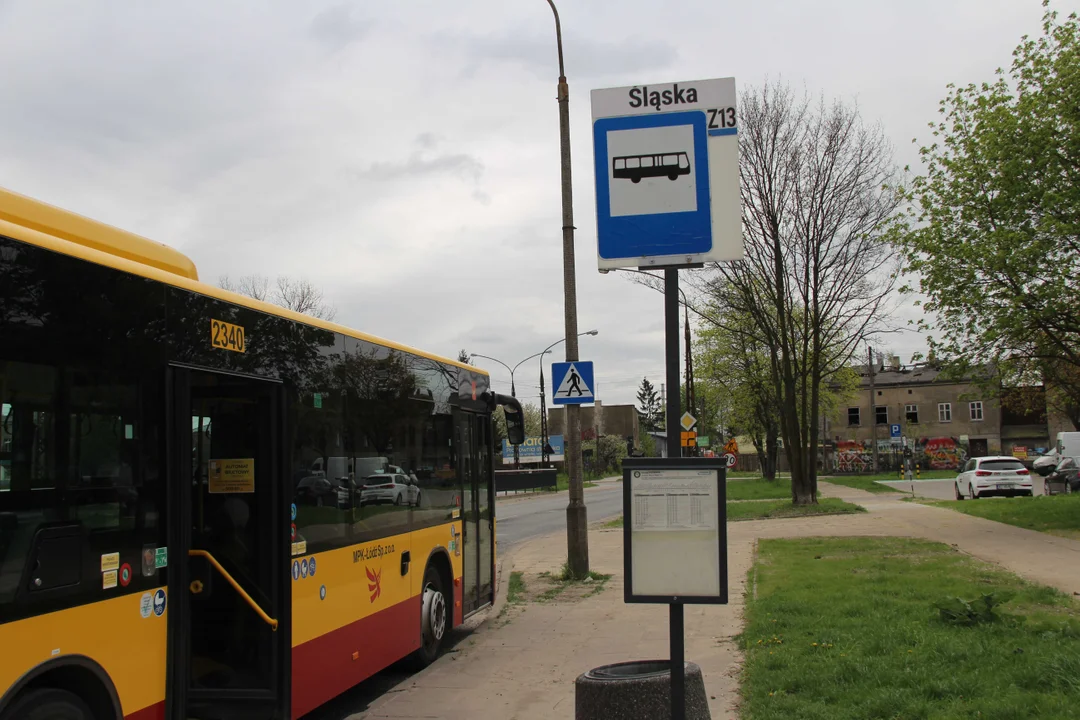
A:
(584, 57)
(428, 140)
(463, 165)
(336, 27)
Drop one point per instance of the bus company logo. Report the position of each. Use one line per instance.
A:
(374, 583)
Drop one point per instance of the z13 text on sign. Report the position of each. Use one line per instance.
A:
(667, 174)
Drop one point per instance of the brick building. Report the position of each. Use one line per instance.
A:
(621, 420)
(945, 420)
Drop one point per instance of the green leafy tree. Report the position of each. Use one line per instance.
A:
(996, 248)
(732, 362)
(608, 452)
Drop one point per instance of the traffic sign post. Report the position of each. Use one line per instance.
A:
(666, 160)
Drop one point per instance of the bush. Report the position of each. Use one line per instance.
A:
(609, 456)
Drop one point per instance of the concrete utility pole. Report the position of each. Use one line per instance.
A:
(577, 538)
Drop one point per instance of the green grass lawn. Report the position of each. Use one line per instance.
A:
(562, 480)
(745, 474)
(861, 482)
(1053, 514)
(784, 509)
(759, 489)
(774, 509)
(849, 628)
(516, 589)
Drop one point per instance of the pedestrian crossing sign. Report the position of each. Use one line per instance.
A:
(573, 383)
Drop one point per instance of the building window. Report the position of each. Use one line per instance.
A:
(944, 412)
(881, 414)
(976, 410)
(853, 417)
(912, 414)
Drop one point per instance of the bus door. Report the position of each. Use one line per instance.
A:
(229, 611)
(478, 525)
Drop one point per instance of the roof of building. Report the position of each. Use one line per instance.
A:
(904, 375)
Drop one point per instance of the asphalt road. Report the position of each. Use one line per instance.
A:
(521, 519)
(943, 489)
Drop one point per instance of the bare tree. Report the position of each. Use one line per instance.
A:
(819, 211)
(298, 295)
(254, 286)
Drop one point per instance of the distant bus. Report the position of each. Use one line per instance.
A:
(185, 476)
(635, 167)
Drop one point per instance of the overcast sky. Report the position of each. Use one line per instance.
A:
(405, 157)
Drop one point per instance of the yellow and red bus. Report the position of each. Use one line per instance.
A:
(212, 507)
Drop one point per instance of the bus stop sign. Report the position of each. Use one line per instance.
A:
(666, 161)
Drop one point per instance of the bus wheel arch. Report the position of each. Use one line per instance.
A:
(75, 674)
(436, 595)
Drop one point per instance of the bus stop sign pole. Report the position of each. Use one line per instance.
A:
(674, 449)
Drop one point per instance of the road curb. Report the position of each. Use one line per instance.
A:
(503, 563)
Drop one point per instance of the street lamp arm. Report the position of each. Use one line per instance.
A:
(527, 360)
(587, 332)
(495, 360)
(558, 37)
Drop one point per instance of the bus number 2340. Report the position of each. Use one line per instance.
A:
(227, 336)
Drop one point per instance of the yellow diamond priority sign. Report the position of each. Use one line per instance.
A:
(688, 421)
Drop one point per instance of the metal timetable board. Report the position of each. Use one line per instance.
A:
(675, 530)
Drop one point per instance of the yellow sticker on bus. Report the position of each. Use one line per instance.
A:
(227, 336)
(234, 475)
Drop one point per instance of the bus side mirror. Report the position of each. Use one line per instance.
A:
(515, 426)
(515, 418)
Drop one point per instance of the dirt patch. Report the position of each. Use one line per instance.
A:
(547, 587)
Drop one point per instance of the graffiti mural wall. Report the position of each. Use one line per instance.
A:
(931, 453)
(940, 453)
(854, 457)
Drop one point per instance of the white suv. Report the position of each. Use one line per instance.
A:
(995, 475)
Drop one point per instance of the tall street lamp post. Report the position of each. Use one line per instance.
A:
(577, 538)
(543, 405)
(513, 388)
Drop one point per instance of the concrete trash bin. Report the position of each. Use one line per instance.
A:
(637, 690)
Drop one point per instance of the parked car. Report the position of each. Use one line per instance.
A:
(996, 475)
(394, 488)
(1067, 473)
(318, 490)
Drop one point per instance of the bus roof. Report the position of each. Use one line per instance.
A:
(36, 215)
(68, 233)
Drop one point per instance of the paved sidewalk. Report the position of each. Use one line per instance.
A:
(522, 665)
(524, 669)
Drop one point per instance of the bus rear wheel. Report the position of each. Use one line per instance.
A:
(433, 620)
(49, 704)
